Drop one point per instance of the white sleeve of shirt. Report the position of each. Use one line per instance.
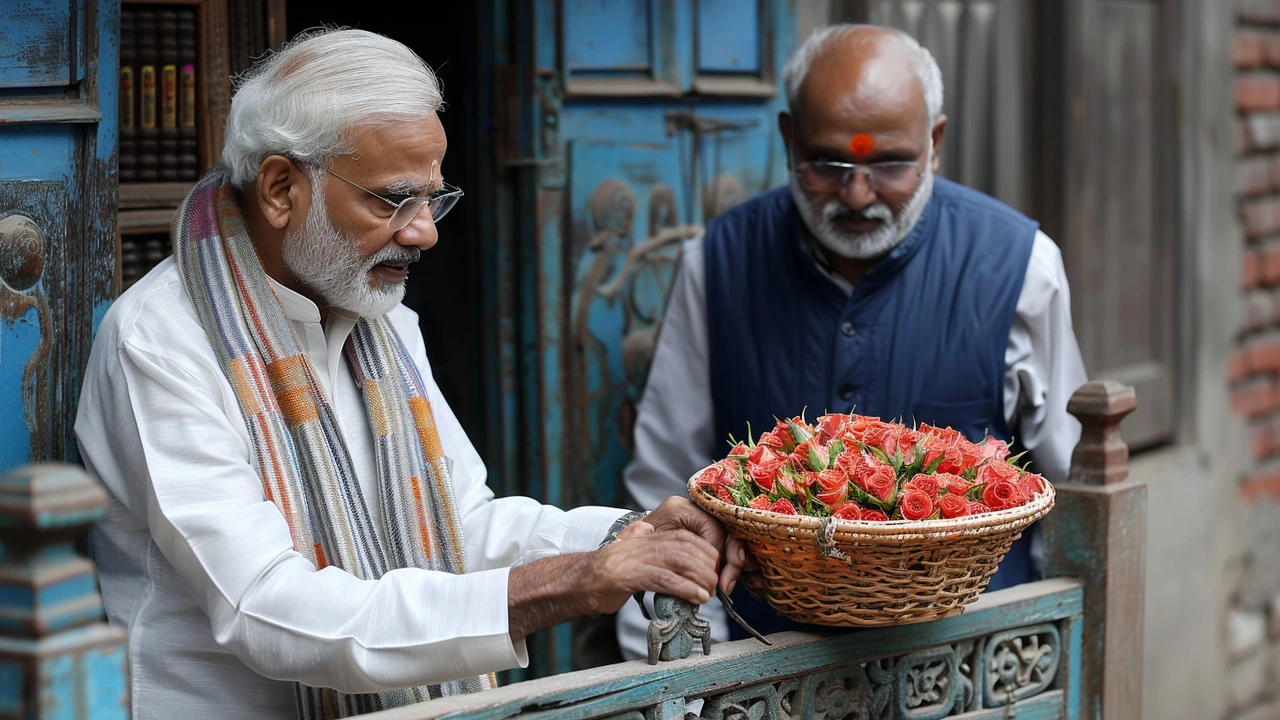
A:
(164, 437)
(1043, 366)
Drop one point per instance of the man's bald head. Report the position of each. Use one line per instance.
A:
(838, 63)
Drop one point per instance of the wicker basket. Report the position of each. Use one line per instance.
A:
(869, 574)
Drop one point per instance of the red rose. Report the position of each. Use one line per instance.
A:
(884, 436)
(759, 502)
(880, 482)
(1002, 494)
(713, 476)
(849, 462)
(830, 426)
(774, 441)
(722, 492)
(799, 457)
(908, 439)
(783, 506)
(1031, 485)
(994, 449)
(739, 450)
(994, 471)
(833, 487)
(926, 484)
(954, 484)
(977, 507)
(763, 464)
(916, 505)
(874, 515)
(848, 511)
(953, 506)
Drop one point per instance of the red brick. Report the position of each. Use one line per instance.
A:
(1269, 44)
(1247, 49)
(1254, 399)
(1261, 217)
(1237, 366)
(1254, 176)
(1265, 484)
(1251, 274)
(1271, 263)
(1258, 91)
(1264, 354)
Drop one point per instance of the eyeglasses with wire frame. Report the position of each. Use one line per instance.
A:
(441, 201)
(826, 176)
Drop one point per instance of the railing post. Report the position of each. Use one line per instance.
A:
(57, 657)
(1097, 532)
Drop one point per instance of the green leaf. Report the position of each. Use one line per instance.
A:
(897, 458)
(798, 433)
(975, 493)
(880, 454)
(833, 451)
(750, 442)
(815, 460)
(971, 474)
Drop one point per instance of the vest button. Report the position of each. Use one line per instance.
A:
(846, 391)
(847, 328)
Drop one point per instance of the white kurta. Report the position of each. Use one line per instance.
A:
(675, 428)
(222, 613)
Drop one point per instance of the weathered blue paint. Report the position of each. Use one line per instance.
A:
(10, 687)
(720, 51)
(36, 152)
(106, 688)
(35, 48)
(99, 312)
(19, 339)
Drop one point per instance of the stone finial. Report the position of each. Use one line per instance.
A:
(1101, 457)
(47, 497)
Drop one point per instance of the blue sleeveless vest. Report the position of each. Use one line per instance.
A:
(922, 338)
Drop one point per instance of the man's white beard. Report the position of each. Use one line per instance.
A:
(327, 262)
(867, 245)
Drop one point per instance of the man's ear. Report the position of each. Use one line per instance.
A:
(784, 127)
(939, 132)
(281, 191)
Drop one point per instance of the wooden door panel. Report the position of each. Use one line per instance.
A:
(58, 65)
(1120, 243)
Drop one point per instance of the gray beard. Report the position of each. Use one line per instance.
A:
(869, 245)
(327, 262)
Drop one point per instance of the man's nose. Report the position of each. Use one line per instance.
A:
(420, 232)
(858, 193)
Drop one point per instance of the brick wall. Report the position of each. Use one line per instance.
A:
(1252, 628)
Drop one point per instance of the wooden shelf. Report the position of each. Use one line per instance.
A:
(153, 195)
(136, 222)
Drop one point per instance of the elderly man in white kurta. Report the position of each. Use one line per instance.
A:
(298, 525)
(868, 283)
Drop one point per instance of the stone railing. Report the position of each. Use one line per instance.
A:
(1066, 647)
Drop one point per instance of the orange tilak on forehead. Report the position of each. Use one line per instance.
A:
(861, 144)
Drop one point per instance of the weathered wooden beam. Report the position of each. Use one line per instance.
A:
(57, 658)
(1097, 533)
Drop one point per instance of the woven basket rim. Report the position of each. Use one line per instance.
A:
(981, 524)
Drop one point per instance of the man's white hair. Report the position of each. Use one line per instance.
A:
(303, 101)
(922, 63)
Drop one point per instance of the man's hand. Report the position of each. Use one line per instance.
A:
(677, 513)
(674, 562)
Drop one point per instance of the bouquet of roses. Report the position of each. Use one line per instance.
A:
(854, 467)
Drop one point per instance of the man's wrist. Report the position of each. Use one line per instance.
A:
(622, 523)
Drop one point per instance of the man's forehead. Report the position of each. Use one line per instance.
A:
(863, 86)
(409, 152)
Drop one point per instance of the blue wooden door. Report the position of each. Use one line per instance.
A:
(638, 121)
(58, 65)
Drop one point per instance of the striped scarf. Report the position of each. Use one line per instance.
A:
(298, 449)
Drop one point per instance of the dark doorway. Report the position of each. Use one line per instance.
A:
(445, 288)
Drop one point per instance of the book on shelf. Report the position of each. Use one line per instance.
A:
(128, 97)
(148, 106)
(188, 135)
(168, 44)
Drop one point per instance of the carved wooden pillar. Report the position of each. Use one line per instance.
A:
(57, 658)
(1097, 532)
